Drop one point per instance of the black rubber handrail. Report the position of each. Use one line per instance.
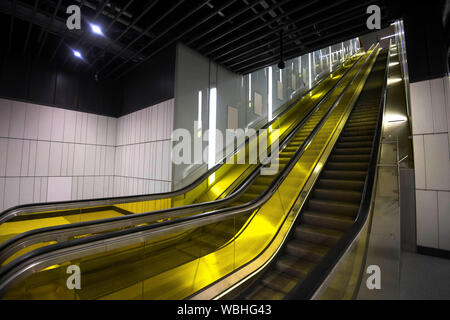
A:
(311, 283)
(12, 212)
(63, 232)
(29, 261)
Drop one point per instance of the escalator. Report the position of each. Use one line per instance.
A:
(335, 199)
(227, 179)
(176, 259)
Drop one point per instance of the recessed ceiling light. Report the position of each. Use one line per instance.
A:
(77, 54)
(95, 28)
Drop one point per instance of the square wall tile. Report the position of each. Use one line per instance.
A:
(59, 189)
(444, 219)
(17, 124)
(5, 116)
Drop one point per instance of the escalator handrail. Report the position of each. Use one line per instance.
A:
(66, 205)
(311, 283)
(30, 261)
(63, 232)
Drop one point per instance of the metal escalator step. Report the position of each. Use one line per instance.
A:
(357, 132)
(328, 206)
(327, 220)
(338, 195)
(356, 138)
(341, 184)
(347, 166)
(361, 124)
(264, 293)
(344, 175)
(294, 266)
(351, 151)
(350, 157)
(306, 250)
(319, 235)
(281, 282)
(356, 144)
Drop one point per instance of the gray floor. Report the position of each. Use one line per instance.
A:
(424, 277)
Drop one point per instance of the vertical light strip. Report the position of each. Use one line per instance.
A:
(342, 51)
(299, 65)
(310, 75)
(281, 75)
(250, 89)
(269, 96)
(199, 121)
(212, 128)
(331, 61)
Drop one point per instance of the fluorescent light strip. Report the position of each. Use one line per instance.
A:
(310, 76)
(212, 128)
(200, 109)
(269, 96)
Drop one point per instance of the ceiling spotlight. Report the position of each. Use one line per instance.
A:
(95, 28)
(77, 54)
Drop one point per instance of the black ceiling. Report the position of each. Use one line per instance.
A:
(242, 35)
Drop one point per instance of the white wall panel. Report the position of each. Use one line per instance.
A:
(102, 130)
(89, 160)
(422, 117)
(42, 158)
(26, 190)
(59, 189)
(2, 191)
(427, 218)
(438, 105)
(45, 123)
(17, 124)
(79, 156)
(437, 162)
(32, 159)
(57, 125)
(12, 188)
(111, 132)
(44, 182)
(25, 158)
(70, 124)
(64, 159)
(5, 116)
(88, 187)
(444, 219)
(32, 121)
(3, 156)
(37, 190)
(14, 157)
(55, 163)
(92, 121)
(71, 159)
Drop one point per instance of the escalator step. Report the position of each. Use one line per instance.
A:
(294, 266)
(362, 166)
(350, 157)
(319, 235)
(341, 184)
(306, 250)
(263, 293)
(351, 151)
(339, 207)
(280, 282)
(356, 144)
(358, 132)
(338, 195)
(356, 138)
(344, 175)
(327, 220)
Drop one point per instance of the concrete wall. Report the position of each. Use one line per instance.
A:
(430, 107)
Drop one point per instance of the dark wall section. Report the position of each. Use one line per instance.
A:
(426, 40)
(42, 83)
(150, 83)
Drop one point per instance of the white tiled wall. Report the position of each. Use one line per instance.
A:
(143, 153)
(430, 107)
(52, 154)
(47, 152)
